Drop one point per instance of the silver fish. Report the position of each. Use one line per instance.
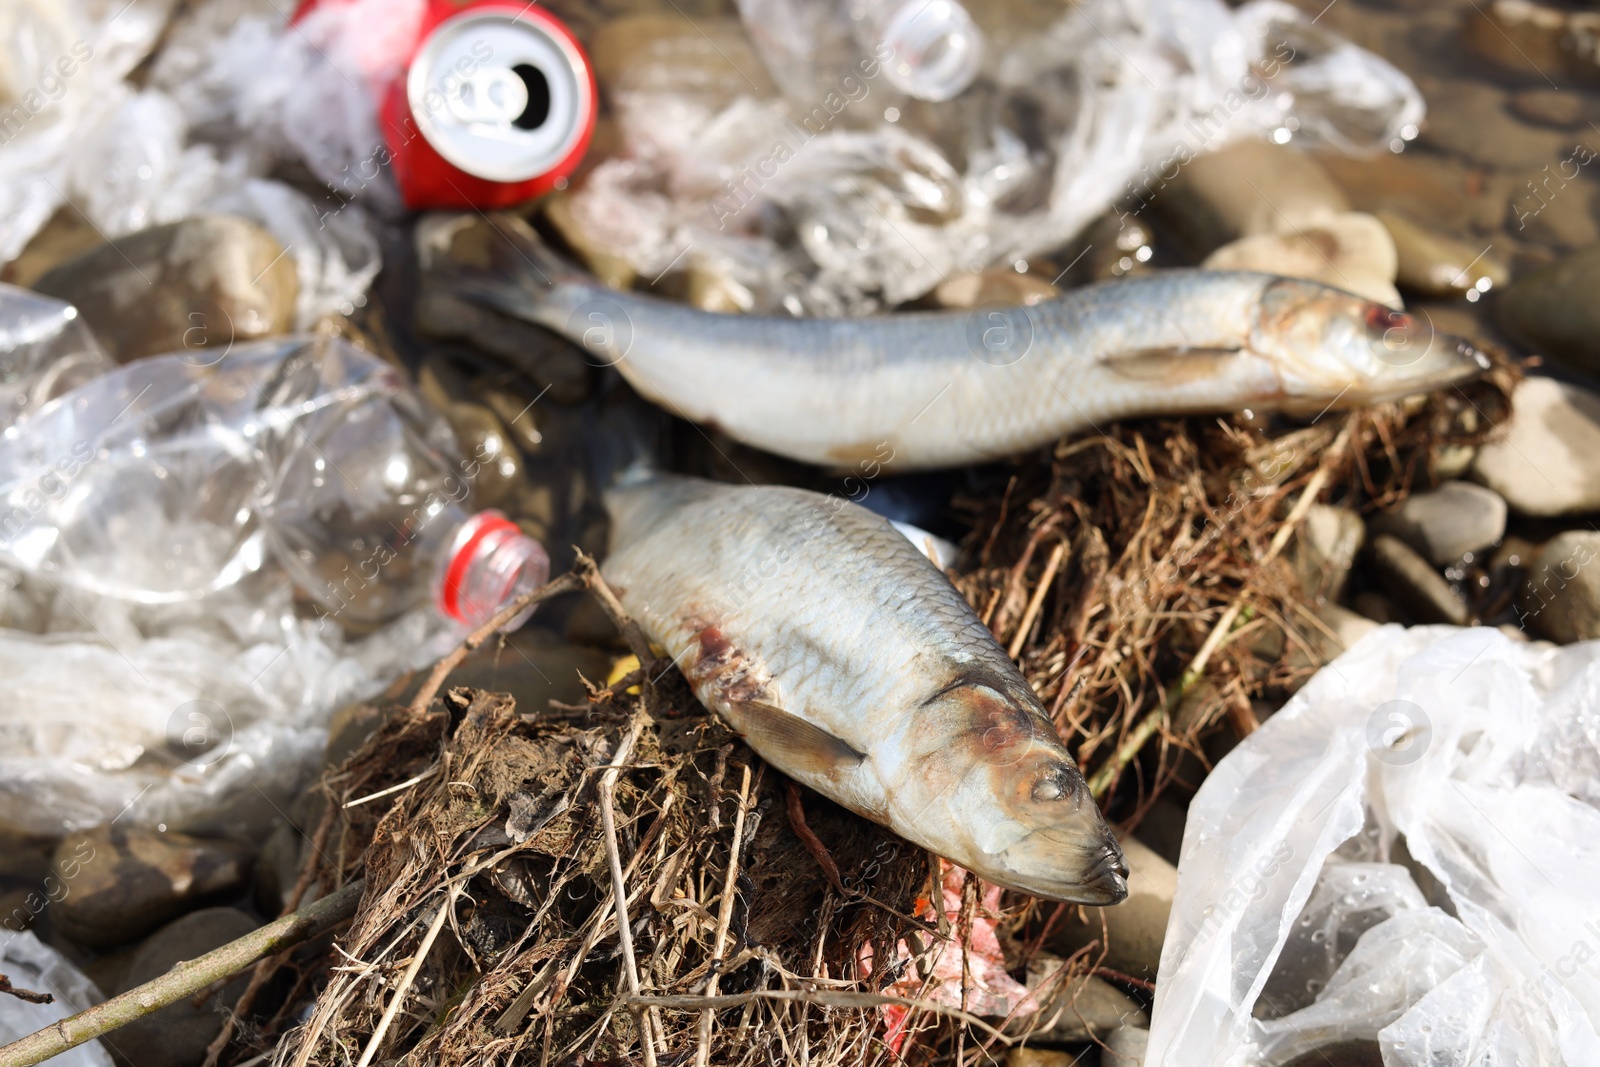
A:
(849, 662)
(946, 388)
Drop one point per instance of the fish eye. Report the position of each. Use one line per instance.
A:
(1052, 786)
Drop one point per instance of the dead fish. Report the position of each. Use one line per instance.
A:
(944, 388)
(849, 662)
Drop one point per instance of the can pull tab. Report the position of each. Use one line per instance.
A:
(488, 96)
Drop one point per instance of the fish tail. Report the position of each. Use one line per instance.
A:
(513, 271)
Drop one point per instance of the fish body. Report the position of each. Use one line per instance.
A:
(943, 388)
(848, 661)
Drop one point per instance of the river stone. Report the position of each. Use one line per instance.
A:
(1556, 310)
(195, 286)
(1560, 599)
(991, 288)
(1448, 522)
(1419, 588)
(1125, 1047)
(1546, 459)
(1472, 119)
(1324, 550)
(1559, 108)
(1432, 264)
(1024, 1056)
(124, 882)
(1080, 1009)
(1246, 188)
(1442, 192)
(1352, 251)
(1536, 39)
(1134, 930)
(177, 1035)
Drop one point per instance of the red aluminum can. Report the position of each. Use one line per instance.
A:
(495, 104)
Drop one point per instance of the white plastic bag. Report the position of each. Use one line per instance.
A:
(35, 966)
(1297, 921)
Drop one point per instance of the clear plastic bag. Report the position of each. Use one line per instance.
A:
(45, 351)
(847, 195)
(1299, 919)
(33, 965)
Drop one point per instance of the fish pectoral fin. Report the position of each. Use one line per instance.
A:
(1172, 365)
(792, 741)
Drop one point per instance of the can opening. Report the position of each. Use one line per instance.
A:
(538, 110)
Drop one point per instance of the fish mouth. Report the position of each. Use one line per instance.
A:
(1100, 880)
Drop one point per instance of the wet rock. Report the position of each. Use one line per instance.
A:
(1453, 461)
(1558, 108)
(1472, 119)
(1080, 1009)
(1419, 588)
(1448, 522)
(1561, 598)
(1125, 1047)
(20, 909)
(1325, 550)
(1421, 186)
(993, 287)
(203, 283)
(66, 235)
(1161, 829)
(1040, 1057)
(1555, 311)
(124, 882)
(1555, 205)
(1546, 459)
(712, 290)
(278, 869)
(1377, 608)
(1432, 264)
(177, 1035)
(1536, 39)
(609, 267)
(1248, 188)
(1134, 929)
(1352, 251)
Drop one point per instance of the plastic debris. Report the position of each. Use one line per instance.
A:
(848, 195)
(1404, 855)
(224, 553)
(45, 351)
(38, 968)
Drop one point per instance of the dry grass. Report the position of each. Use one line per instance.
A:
(510, 840)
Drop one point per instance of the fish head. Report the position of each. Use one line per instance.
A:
(1011, 798)
(1327, 346)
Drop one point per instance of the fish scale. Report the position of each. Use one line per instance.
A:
(850, 662)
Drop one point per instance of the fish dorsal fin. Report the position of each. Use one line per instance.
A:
(1170, 365)
(791, 742)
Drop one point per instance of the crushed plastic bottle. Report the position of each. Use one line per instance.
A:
(307, 453)
(45, 350)
(930, 49)
(199, 563)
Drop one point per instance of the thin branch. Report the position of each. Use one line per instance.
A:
(619, 887)
(589, 572)
(24, 994)
(184, 980)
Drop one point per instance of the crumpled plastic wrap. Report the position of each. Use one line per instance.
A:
(201, 714)
(233, 93)
(1405, 854)
(846, 201)
(33, 965)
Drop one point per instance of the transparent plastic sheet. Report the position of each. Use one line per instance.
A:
(160, 662)
(1299, 919)
(45, 350)
(33, 965)
(818, 204)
